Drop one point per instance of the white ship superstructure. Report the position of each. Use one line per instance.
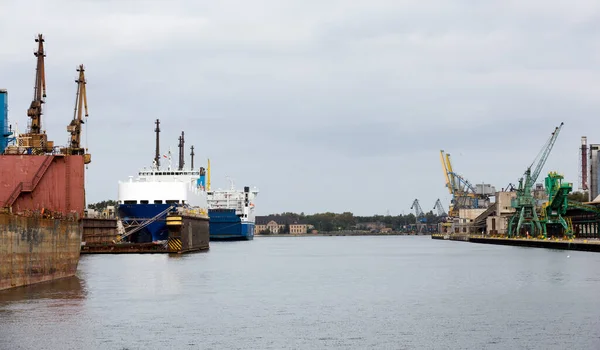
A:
(234, 199)
(164, 186)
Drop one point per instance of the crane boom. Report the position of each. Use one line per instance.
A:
(417, 207)
(74, 128)
(530, 180)
(445, 168)
(440, 208)
(525, 205)
(35, 140)
(39, 89)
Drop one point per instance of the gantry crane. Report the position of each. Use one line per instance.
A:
(524, 203)
(34, 140)
(74, 128)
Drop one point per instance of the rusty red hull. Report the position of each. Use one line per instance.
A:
(42, 199)
(54, 183)
(35, 249)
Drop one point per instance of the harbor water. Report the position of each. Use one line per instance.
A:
(393, 292)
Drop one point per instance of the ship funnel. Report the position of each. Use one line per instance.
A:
(157, 153)
(181, 157)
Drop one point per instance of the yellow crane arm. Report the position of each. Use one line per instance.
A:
(445, 168)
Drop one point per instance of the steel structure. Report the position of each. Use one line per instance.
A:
(464, 195)
(583, 167)
(525, 214)
(74, 128)
(440, 208)
(34, 140)
(421, 220)
(554, 210)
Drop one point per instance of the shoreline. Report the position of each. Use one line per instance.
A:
(578, 244)
(326, 234)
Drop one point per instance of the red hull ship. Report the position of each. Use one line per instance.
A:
(42, 193)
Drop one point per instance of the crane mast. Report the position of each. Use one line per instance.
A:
(34, 140)
(524, 204)
(39, 89)
(74, 128)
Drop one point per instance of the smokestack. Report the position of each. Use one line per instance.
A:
(157, 153)
(192, 156)
(181, 147)
(584, 168)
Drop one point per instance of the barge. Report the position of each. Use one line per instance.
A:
(42, 194)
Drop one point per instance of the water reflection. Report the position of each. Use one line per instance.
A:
(70, 288)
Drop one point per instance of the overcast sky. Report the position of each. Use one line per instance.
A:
(323, 105)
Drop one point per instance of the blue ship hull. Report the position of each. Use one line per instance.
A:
(226, 225)
(156, 231)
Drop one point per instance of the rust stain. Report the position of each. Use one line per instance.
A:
(35, 249)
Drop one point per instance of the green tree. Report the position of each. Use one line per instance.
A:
(578, 196)
(102, 205)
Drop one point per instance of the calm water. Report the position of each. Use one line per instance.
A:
(316, 293)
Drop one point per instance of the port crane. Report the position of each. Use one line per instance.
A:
(419, 215)
(524, 203)
(34, 140)
(440, 208)
(74, 128)
(464, 195)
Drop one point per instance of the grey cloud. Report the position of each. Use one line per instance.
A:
(323, 105)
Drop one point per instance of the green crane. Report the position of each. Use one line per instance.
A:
(556, 207)
(525, 214)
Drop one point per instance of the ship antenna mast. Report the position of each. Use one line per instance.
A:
(39, 89)
(157, 154)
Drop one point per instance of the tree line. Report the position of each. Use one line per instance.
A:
(347, 221)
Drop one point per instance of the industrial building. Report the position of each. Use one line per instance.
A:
(593, 171)
(528, 208)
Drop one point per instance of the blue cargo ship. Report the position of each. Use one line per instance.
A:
(144, 202)
(231, 213)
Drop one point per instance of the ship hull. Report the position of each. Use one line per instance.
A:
(34, 249)
(42, 198)
(155, 231)
(226, 225)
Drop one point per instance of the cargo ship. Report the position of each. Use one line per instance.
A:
(231, 213)
(42, 194)
(147, 203)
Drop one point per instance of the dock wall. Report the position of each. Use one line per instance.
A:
(36, 249)
(99, 230)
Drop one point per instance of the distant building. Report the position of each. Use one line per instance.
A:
(277, 224)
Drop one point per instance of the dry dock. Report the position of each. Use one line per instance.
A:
(187, 233)
(579, 244)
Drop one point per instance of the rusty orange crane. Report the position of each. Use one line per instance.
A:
(36, 140)
(74, 128)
